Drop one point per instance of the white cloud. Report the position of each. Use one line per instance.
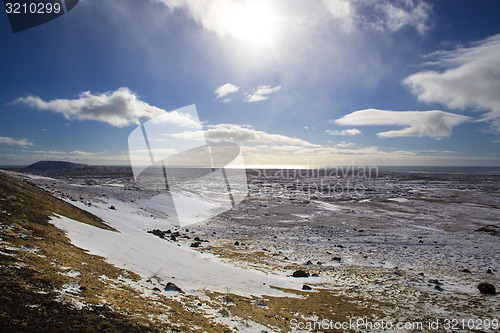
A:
(15, 142)
(242, 134)
(261, 93)
(118, 108)
(380, 15)
(258, 20)
(344, 144)
(342, 10)
(352, 131)
(224, 90)
(398, 15)
(433, 123)
(471, 78)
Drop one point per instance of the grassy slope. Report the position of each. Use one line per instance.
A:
(34, 257)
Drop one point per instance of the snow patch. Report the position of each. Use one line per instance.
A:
(145, 254)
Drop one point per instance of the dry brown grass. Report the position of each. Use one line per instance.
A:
(35, 257)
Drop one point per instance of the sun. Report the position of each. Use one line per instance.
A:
(253, 21)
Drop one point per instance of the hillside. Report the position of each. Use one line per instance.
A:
(54, 166)
(47, 283)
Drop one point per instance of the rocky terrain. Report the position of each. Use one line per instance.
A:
(394, 247)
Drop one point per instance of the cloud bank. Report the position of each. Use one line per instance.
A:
(15, 142)
(352, 131)
(434, 124)
(118, 108)
(242, 134)
(471, 78)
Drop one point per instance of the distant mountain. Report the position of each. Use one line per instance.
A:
(55, 166)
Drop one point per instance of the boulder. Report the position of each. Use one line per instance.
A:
(486, 288)
(300, 273)
(170, 286)
(157, 232)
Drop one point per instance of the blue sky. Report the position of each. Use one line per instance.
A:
(294, 82)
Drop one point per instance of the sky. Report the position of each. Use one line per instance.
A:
(292, 82)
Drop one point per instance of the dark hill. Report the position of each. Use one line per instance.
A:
(55, 166)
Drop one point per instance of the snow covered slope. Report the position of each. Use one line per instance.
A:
(134, 249)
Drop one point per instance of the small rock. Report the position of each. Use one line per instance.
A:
(260, 302)
(197, 239)
(28, 247)
(112, 207)
(337, 259)
(315, 275)
(300, 273)
(195, 244)
(489, 271)
(228, 299)
(306, 287)
(224, 312)
(236, 243)
(23, 235)
(465, 270)
(436, 282)
(319, 263)
(172, 287)
(438, 288)
(156, 289)
(309, 262)
(487, 288)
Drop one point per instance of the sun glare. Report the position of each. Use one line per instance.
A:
(252, 22)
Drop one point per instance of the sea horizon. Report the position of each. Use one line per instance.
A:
(401, 168)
